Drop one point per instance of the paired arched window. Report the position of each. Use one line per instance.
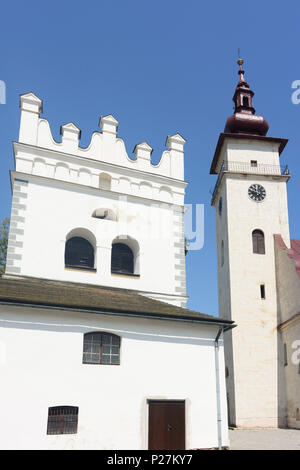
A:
(122, 259)
(258, 242)
(101, 348)
(79, 253)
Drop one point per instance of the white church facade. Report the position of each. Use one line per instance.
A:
(97, 348)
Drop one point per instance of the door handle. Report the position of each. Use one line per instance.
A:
(169, 427)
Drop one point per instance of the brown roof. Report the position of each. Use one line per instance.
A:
(93, 299)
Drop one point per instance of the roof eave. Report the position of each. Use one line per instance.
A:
(226, 324)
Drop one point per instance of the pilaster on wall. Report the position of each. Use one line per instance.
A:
(17, 223)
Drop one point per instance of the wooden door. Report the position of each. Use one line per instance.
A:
(166, 425)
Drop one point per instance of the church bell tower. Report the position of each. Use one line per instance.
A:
(250, 201)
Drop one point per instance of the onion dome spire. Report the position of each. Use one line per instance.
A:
(244, 120)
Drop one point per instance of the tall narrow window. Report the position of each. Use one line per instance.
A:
(122, 259)
(101, 348)
(222, 253)
(62, 420)
(245, 101)
(262, 291)
(258, 241)
(79, 253)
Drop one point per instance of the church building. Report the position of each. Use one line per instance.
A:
(258, 270)
(97, 347)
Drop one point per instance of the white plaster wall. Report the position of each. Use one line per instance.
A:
(54, 209)
(83, 171)
(41, 366)
(291, 337)
(265, 153)
(255, 342)
(288, 285)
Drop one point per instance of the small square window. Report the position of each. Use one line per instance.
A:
(254, 163)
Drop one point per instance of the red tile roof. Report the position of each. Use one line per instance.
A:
(293, 252)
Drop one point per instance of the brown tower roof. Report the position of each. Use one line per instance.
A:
(244, 120)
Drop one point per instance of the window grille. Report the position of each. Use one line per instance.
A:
(122, 259)
(79, 253)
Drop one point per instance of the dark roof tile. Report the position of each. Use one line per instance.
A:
(41, 292)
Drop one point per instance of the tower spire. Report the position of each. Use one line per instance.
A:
(244, 120)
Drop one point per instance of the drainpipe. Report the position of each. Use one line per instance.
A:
(219, 415)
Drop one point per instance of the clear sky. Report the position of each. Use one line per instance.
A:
(159, 67)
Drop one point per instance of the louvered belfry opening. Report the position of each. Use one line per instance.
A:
(79, 253)
(122, 259)
(258, 240)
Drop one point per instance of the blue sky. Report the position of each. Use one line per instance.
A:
(159, 67)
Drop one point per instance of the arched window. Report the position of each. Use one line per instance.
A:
(122, 259)
(258, 241)
(101, 348)
(79, 253)
(62, 420)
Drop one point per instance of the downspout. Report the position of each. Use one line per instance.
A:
(217, 364)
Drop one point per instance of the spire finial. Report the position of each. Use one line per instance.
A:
(240, 61)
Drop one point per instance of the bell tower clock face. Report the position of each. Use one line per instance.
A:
(257, 192)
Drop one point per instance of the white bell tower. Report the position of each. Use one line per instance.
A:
(97, 215)
(250, 201)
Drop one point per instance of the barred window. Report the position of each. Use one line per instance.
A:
(122, 259)
(62, 420)
(79, 253)
(101, 348)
